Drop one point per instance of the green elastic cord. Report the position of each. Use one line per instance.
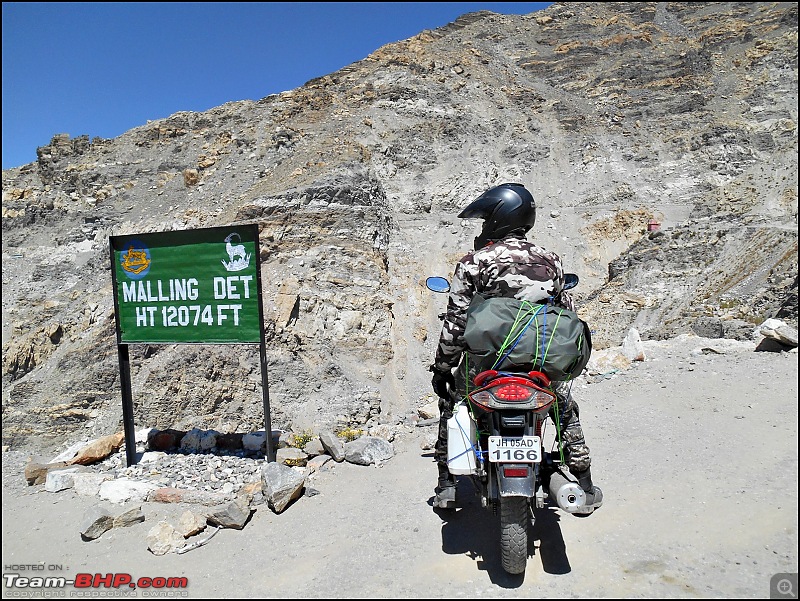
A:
(471, 409)
(465, 398)
(466, 381)
(558, 431)
(513, 334)
(572, 365)
(553, 333)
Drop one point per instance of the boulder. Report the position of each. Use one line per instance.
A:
(368, 450)
(282, 485)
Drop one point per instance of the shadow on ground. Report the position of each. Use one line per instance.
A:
(475, 531)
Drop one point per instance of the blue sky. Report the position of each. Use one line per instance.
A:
(103, 68)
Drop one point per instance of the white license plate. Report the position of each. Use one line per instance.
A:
(522, 449)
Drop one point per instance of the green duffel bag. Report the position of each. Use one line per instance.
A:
(508, 334)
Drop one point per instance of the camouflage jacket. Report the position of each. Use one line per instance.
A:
(512, 267)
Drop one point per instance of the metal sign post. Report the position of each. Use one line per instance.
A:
(198, 286)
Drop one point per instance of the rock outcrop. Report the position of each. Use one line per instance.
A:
(660, 140)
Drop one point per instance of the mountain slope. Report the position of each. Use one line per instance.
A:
(614, 114)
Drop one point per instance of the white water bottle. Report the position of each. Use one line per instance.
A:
(461, 441)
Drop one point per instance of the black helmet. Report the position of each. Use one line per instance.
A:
(505, 209)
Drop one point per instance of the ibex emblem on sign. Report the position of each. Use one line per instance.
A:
(239, 259)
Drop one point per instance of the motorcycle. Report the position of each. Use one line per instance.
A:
(496, 436)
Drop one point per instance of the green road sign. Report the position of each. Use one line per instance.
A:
(188, 286)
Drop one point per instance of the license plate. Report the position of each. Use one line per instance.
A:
(522, 449)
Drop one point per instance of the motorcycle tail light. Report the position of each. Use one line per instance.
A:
(512, 391)
(483, 399)
(543, 399)
(515, 472)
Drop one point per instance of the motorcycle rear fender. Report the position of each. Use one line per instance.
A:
(516, 487)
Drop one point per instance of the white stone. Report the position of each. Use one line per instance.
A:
(69, 453)
(163, 538)
(199, 440)
(632, 346)
(60, 479)
(123, 490)
(88, 484)
(152, 456)
(780, 331)
(142, 435)
(429, 411)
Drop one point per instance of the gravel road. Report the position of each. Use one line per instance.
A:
(695, 449)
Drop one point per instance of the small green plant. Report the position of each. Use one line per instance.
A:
(756, 319)
(349, 434)
(303, 438)
(729, 303)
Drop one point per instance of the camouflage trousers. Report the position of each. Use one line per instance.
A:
(576, 452)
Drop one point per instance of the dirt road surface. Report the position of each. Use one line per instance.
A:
(696, 452)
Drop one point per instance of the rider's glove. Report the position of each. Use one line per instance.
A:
(442, 382)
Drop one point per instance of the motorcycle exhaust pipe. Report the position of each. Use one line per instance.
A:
(569, 495)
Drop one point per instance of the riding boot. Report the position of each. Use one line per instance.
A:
(594, 496)
(446, 490)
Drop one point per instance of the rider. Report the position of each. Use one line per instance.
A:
(503, 264)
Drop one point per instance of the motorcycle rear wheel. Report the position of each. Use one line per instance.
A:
(514, 533)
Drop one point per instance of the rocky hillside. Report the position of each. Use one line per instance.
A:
(615, 114)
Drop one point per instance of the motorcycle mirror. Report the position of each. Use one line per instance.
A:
(437, 284)
(570, 280)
